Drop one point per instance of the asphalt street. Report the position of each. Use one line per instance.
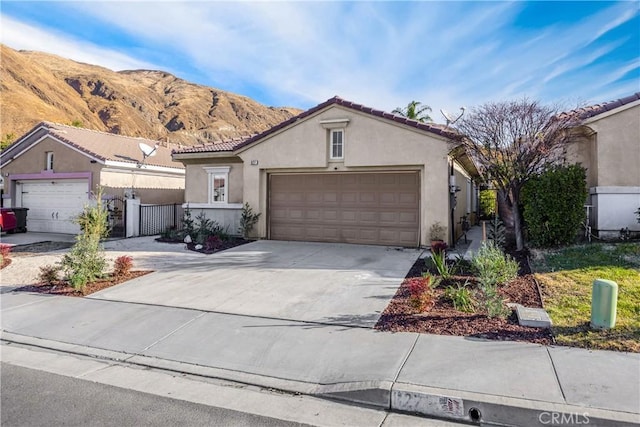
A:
(37, 398)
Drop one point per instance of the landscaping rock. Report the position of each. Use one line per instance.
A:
(532, 317)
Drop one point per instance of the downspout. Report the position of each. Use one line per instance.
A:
(452, 205)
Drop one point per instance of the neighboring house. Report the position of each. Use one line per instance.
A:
(607, 144)
(339, 172)
(53, 169)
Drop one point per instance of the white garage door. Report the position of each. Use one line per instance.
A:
(53, 204)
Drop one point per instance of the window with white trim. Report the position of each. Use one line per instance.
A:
(336, 144)
(218, 184)
(48, 165)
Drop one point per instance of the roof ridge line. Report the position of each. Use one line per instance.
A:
(48, 124)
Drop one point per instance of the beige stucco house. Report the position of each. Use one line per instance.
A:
(607, 144)
(339, 172)
(53, 169)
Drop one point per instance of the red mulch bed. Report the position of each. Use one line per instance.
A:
(5, 262)
(63, 288)
(444, 319)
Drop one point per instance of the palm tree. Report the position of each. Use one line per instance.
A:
(414, 111)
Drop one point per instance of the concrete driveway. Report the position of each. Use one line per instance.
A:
(312, 282)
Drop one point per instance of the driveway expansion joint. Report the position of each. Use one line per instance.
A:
(555, 372)
(172, 332)
(249, 316)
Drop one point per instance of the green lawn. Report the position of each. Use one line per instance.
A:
(566, 277)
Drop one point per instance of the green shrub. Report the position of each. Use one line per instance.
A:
(85, 261)
(204, 228)
(94, 220)
(488, 203)
(492, 266)
(188, 226)
(432, 281)
(461, 265)
(461, 297)
(554, 205)
(247, 220)
(170, 233)
(49, 274)
(493, 303)
(497, 232)
(439, 260)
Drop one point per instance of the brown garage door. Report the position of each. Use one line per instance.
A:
(366, 208)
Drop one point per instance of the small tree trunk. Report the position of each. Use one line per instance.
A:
(517, 227)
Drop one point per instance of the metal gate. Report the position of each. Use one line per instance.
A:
(155, 219)
(116, 206)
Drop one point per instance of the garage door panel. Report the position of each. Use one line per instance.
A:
(367, 208)
(368, 197)
(332, 234)
(288, 233)
(330, 197)
(349, 217)
(314, 232)
(388, 198)
(408, 218)
(389, 180)
(330, 215)
(408, 198)
(314, 197)
(350, 197)
(296, 214)
(367, 217)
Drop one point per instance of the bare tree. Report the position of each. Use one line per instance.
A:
(513, 141)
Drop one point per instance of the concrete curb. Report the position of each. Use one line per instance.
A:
(447, 404)
(499, 410)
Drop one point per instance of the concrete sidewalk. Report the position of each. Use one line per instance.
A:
(507, 383)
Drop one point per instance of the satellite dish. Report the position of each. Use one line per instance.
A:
(147, 151)
(449, 118)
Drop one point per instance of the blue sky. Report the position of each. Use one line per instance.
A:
(381, 54)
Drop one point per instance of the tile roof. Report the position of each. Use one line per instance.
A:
(429, 127)
(594, 110)
(109, 146)
(217, 146)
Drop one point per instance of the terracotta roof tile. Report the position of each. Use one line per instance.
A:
(217, 146)
(594, 110)
(108, 146)
(428, 127)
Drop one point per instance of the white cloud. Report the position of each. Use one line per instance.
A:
(22, 36)
(444, 54)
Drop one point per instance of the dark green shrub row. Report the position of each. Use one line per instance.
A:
(554, 205)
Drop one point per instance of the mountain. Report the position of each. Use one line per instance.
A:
(36, 86)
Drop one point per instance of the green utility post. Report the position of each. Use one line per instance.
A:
(604, 301)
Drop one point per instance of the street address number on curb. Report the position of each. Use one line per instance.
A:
(427, 404)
